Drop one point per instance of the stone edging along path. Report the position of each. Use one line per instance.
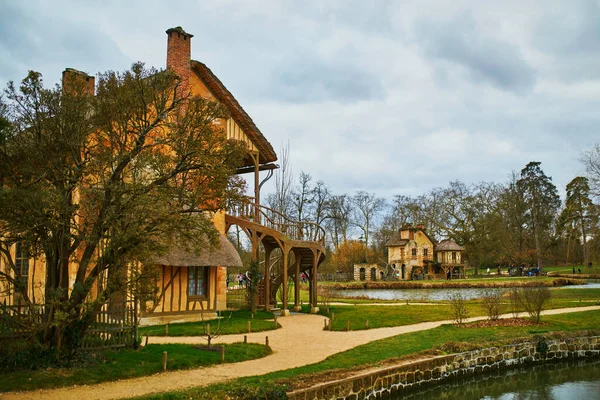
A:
(290, 350)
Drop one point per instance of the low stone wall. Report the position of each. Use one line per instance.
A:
(394, 380)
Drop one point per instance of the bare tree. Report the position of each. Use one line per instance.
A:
(591, 161)
(339, 211)
(282, 200)
(302, 196)
(366, 209)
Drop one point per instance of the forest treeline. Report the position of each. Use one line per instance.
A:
(522, 220)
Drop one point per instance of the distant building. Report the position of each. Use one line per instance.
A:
(413, 254)
(368, 272)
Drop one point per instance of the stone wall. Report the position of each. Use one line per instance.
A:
(394, 380)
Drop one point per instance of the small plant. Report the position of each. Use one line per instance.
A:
(492, 302)
(209, 334)
(326, 293)
(458, 305)
(514, 301)
(534, 300)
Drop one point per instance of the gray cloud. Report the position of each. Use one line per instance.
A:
(390, 97)
(30, 39)
(487, 58)
(309, 79)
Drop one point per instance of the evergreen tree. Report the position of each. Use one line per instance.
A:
(542, 202)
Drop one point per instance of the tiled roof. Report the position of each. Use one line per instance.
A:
(267, 154)
(396, 241)
(448, 245)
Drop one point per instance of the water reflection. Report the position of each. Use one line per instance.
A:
(432, 294)
(557, 381)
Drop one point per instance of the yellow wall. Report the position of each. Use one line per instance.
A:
(398, 255)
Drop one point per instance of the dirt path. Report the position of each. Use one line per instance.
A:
(289, 351)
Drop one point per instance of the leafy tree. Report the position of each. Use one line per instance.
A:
(350, 253)
(96, 184)
(542, 202)
(579, 214)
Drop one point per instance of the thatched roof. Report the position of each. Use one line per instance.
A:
(223, 95)
(448, 245)
(221, 255)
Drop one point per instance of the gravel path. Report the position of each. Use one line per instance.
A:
(301, 341)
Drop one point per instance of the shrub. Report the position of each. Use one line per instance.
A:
(534, 300)
(492, 302)
(458, 305)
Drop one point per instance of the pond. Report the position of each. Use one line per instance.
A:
(558, 381)
(432, 294)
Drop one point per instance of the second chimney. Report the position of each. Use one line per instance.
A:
(74, 81)
(179, 49)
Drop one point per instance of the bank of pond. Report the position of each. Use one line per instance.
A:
(440, 293)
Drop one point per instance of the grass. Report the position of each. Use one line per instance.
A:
(262, 321)
(394, 348)
(387, 316)
(112, 365)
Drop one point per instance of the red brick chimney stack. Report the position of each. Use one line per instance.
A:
(74, 80)
(179, 50)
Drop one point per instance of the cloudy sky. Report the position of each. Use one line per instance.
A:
(392, 97)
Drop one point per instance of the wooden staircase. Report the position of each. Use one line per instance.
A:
(305, 240)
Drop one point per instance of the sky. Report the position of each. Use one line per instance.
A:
(390, 97)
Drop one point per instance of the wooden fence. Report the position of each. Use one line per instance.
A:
(115, 326)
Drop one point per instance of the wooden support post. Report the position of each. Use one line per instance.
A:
(267, 278)
(245, 339)
(297, 303)
(249, 327)
(167, 329)
(314, 304)
(367, 324)
(146, 344)
(325, 323)
(275, 319)
(284, 297)
(208, 329)
(164, 361)
(223, 353)
(267, 341)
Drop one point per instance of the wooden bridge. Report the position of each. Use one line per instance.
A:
(304, 240)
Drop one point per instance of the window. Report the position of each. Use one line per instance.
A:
(414, 252)
(425, 252)
(197, 281)
(22, 262)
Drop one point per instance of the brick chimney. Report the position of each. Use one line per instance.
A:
(74, 80)
(179, 50)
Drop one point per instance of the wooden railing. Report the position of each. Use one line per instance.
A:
(295, 230)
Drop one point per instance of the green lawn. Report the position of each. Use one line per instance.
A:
(434, 341)
(238, 323)
(127, 363)
(386, 316)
